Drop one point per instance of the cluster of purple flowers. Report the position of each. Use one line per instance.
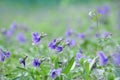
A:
(54, 44)
(35, 62)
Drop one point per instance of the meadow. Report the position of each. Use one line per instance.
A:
(60, 42)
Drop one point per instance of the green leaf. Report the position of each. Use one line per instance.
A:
(43, 69)
(92, 63)
(86, 69)
(22, 69)
(68, 67)
(17, 78)
(116, 71)
(81, 61)
(109, 76)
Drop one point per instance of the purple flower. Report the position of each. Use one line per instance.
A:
(69, 32)
(35, 38)
(105, 34)
(70, 43)
(54, 73)
(118, 17)
(20, 38)
(80, 35)
(78, 56)
(59, 49)
(2, 57)
(80, 51)
(13, 26)
(7, 54)
(52, 45)
(97, 35)
(11, 29)
(3, 31)
(116, 59)
(9, 33)
(36, 62)
(102, 59)
(103, 10)
(22, 60)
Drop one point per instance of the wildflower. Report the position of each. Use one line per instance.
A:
(52, 45)
(70, 43)
(97, 35)
(80, 51)
(20, 38)
(78, 56)
(35, 38)
(11, 29)
(36, 62)
(9, 33)
(7, 54)
(13, 26)
(55, 45)
(2, 57)
(80, 35)
(55, 72)
(68, 32)
(106, 34)
(102, 59)
(103, 10)
(116, 59)
(59, 49)
(22, 60)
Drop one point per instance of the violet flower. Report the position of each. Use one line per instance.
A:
(103, 10)
(78, 56)
(36, 62)
(102, 59)
(35, 38)
(52, 45)
(2, 57)
(7, 54)
(59, 49)
(55, 72)
(80, 35)
(20, 38)
(70, 43)
(116, 59)
(22, 61)
(68, 32)
(11, 29)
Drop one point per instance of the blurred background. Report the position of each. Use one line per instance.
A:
(54, 16)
